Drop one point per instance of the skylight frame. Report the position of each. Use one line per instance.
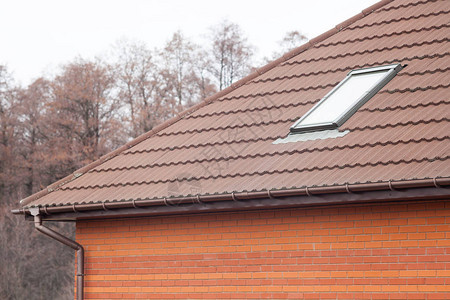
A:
(392, 70)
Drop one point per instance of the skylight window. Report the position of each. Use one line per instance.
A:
(346, 98)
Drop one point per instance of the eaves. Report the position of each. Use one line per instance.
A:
(378, 192)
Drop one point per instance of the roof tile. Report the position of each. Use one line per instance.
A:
(226, 146)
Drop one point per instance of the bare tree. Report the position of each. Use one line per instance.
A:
(156, 85)
(8, 133)
(202, 65)
(231, 52)
(83, 114)
(137, 80)
(178, 70)
(33, 104)
(29, 269)
(290, 41)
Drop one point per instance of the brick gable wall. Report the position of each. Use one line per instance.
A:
(390, 251)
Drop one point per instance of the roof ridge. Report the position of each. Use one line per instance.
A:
(207, 101)
(261, 173)
(274, 153)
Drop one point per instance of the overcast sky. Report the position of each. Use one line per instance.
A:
(39, 35)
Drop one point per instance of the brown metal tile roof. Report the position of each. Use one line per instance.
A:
(225, 145)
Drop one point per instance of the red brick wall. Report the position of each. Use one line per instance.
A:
(395, 251)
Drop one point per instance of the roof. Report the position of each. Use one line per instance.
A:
(225, 145)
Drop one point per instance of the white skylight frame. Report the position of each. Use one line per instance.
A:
(384, 74)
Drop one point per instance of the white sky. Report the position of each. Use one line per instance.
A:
(39, 35)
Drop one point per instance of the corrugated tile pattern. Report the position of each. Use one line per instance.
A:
(402, 133)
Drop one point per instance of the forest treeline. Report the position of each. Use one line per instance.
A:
(58, 124)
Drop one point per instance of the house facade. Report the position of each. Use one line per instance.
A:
(259, 193)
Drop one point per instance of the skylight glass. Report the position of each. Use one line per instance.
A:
(345, 99)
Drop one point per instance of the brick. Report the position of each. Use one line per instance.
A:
(398, 222)
(435, 235)
(418, 236)
(251, 255)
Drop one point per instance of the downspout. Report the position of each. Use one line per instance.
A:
(66, 241)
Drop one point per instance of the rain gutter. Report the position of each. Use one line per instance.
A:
(34, 211)
(310, 192)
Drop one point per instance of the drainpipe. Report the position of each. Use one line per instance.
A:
(66, 241)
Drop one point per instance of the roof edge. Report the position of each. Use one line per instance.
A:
(205, 102)
(437, 183)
